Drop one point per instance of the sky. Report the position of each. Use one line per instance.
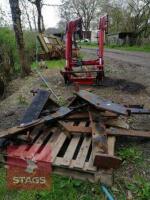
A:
(50, 14)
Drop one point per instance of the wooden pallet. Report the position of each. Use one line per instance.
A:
(71, 156)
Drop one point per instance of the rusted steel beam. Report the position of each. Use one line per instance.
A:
(101, 104)
(125, 132)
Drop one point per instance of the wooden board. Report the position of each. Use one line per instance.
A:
(128, 132)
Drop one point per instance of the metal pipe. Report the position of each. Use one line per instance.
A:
(46, 83)
(107, 193)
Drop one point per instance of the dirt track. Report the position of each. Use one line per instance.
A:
(130, 66)
(139, 58)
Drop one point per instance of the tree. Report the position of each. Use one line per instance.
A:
(79, 8)
(25, 10)
(139, 15)
(4, 19)
(39, 5)
(16, 18)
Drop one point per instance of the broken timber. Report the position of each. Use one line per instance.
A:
(101, 157)
(112, 131)
(71, 157)
(86, 143)
(61, 112)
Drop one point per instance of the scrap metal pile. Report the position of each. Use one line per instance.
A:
(81, 135)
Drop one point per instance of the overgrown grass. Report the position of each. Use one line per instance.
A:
(52, 64)
(9, 53)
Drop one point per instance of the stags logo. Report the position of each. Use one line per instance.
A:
(29, 167)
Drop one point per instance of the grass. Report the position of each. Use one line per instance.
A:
(144, 48)
(139, 187)
(62, 188)
(89, 45)
(132, 177)
(131, 154)
(52, 64)
(22, 100)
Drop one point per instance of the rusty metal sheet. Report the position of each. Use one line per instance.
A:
(36, 107)
(138, 111)
(101, 104)
(107, 161)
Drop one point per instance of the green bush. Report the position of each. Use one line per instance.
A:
(30, 45)
(8, 50)
(9, 58)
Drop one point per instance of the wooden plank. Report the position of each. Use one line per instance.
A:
(111, 145)
(45, 154)
(36, 145)
(119, 122)
(92, 177)
(36, 106)
(81, 157)
(100, 148)
(58, 144)
(89, 165)
(75, 129)
(81, 175)
(104, 176)
(99, 137)
(55, 135)
(129, 132)
(20, 150)
(78, 115)
(43, 43)
(70, 151)
(65, 161)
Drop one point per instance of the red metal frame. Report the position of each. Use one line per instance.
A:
(85, 77)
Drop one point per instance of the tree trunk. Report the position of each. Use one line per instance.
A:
(40, 17)
(16, 17)
(34, 19)
(40, 21)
